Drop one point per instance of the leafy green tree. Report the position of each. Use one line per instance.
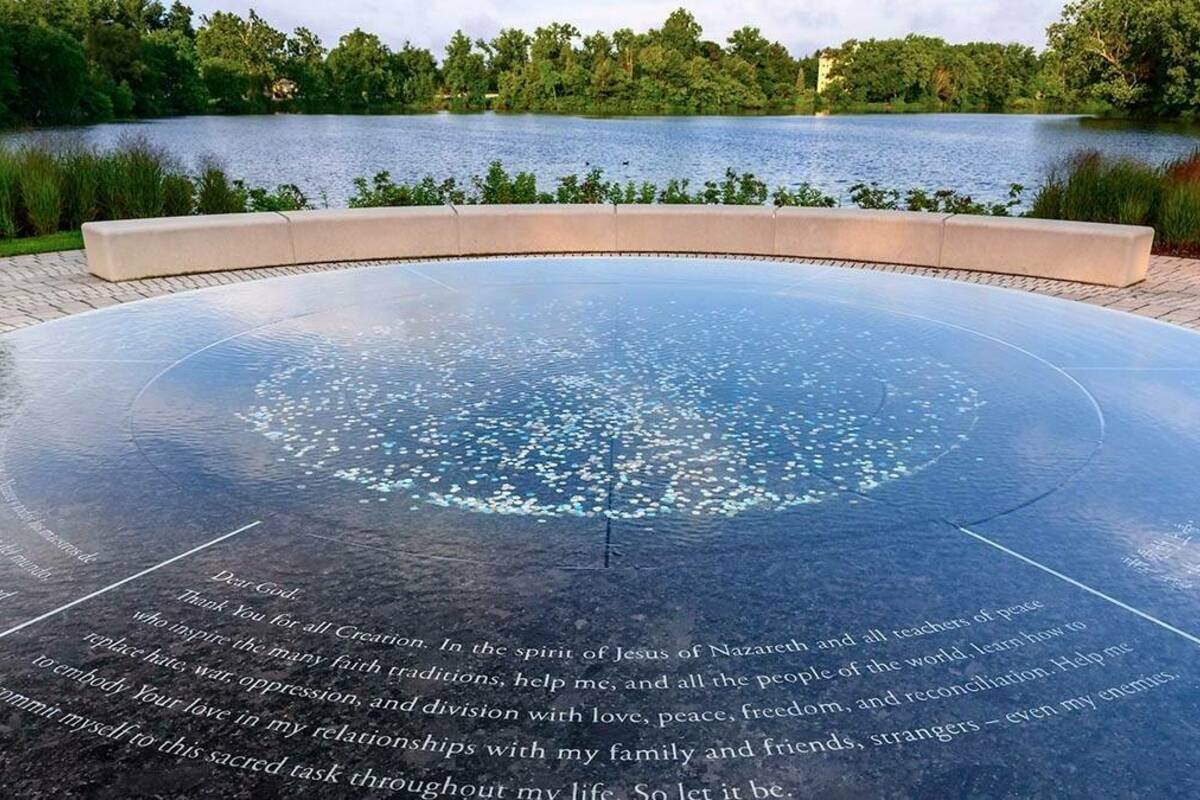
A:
(254, 46)
(681, 33)
(52, 71)
(228, 84)
(928, 72)
(507, 52)
(145, 58)
(1142, 56)
(138, 15)
(179, 20)
(169, 82)
(415, 73)
(10, 88)
(777, 74)
(359, 68)
(115, 50)
(305, 65)
(465, 73)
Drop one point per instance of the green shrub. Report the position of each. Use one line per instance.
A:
(948, 201)
(122, 100)
(131, 181)
(216, 194)
(383, 191)
(497, 187)
(1048, 202)
(676, 192)
(592, 189)
(1179, 215)
(631, 193)
(733, 190)
(805, 195)
(286, 197)
(873, 196)
(41, 194)
(112, 192)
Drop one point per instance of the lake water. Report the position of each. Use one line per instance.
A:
(974, 153)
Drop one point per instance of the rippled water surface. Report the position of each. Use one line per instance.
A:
(975, 153)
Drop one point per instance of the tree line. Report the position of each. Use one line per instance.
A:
(74, 61)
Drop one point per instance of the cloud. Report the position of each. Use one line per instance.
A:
(802, 26)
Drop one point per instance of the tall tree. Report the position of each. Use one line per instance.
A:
(1135, 54)
(52, 71)
(305, 66)
(360, 70)
(508, 51)
(465, 73)
(250, 45)
(416, 75)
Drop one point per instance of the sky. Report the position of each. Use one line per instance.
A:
(802, 25)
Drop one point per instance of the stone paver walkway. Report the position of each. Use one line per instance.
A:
(43, 287)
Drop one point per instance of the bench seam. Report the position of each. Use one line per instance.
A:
(291, 236)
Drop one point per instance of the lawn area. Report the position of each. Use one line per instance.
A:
(64, 240)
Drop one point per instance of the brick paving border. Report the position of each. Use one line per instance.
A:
(47, 286)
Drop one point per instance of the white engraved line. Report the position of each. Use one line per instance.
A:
(124, 581)
(1084, 586)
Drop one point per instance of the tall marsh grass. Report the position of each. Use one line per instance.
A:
(41, 193)
(81, 180)
(215, 193)
(10, 195)
(1091, 188)
(1179, 215)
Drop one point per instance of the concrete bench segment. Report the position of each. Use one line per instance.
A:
(1088, 252)
(1113, 255)
(122, 250)
(746, 230)
(514, 229)
(360, 234)
(897, 237)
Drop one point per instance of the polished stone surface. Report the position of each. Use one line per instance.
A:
(556, 528)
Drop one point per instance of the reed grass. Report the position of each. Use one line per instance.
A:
(80, 172)
(1090, 188)
(215, 193)
(10, 195)
(1179, 216)
(41, 194)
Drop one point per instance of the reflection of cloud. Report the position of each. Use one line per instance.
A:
(803, 27)
(272, 299)
(1176, 406)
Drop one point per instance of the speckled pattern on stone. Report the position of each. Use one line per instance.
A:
(713, 414)
(38, 288)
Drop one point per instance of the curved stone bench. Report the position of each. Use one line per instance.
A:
(1112, 255)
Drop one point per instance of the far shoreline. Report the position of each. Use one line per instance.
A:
(1173, 124)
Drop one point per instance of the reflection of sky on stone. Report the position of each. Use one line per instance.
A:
(1056, 330)
(576, 406)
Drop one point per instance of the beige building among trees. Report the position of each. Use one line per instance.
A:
(826, 62)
